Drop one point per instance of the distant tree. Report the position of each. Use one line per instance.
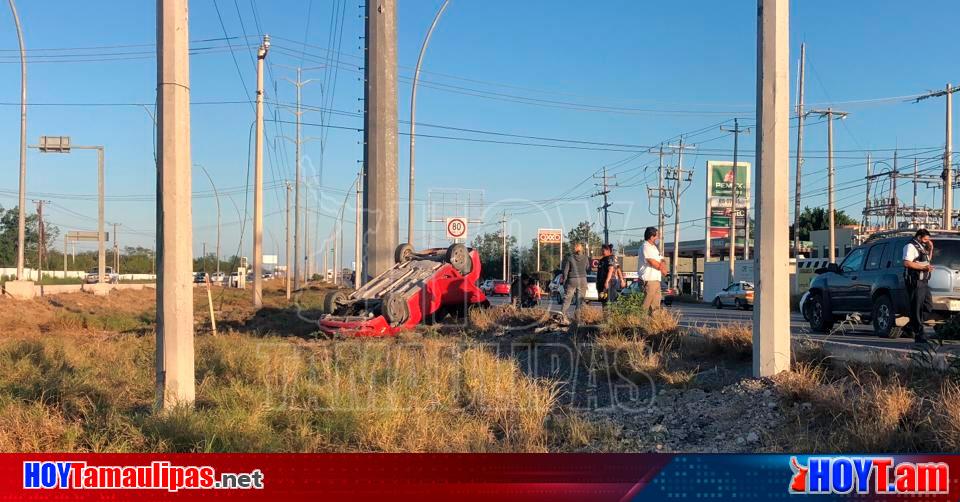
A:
(9, 233)
(490, 247)
(584, 234)
(818, 219)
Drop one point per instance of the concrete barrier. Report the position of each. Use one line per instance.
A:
(60, 289)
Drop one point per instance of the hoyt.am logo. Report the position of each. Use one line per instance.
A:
(868, 475)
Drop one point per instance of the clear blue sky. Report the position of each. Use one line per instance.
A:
(621, 76)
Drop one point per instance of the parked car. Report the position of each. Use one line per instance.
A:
(93, 276)
(217, 277)
(870, 282)
(200, 278)
(737, 294)
(804, 306)
(557, 289)
(487, 286)
(667, 294)
(500, 288)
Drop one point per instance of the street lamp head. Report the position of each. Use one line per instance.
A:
(264, 47)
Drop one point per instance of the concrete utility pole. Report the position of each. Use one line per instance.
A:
(830, 113)
(307, 256)
(258, 182)
(800, 117)
(413, 119)
(866, 205)
(947, 154)
(287, 255)
(604, 191)
(380, 222)
(660, 202)
(503, 237)
(22, 217)
(771, 318)
(116, 251)
(175, 377)
(661, 194)
(733, 201)
(102, 254)
(358, 236)
(677, 176)
(40, 243)
(947, 168)
(298, 142)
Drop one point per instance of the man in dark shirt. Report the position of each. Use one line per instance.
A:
(917, 255)
(607, 266)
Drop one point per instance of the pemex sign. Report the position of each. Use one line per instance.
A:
(722, 183)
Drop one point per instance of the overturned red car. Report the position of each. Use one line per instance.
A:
(421, 286)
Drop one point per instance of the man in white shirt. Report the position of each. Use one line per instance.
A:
(917, 255)
(651, 270)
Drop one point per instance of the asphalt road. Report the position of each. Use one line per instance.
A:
(704, 315)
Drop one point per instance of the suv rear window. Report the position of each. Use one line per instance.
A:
(874, 257)
(946, 253)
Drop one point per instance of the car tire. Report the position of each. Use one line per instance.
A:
(821, 320)
(883, 317)
(395, 309)
(333, 300)
(403, 253)
(717, 304)
(738, 303)
(459, 256)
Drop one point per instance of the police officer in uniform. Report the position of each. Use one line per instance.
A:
(917, 255)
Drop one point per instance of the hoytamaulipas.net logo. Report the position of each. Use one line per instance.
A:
(868, 475)
(159, 475)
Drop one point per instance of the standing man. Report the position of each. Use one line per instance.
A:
(651, 270)
(609, 276)
(916, 262)
(573, 276)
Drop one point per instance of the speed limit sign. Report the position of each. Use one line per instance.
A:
(456, 228)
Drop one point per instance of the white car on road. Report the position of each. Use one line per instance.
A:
(557, 290)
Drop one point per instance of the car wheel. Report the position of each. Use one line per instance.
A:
(459, 256)
(738, 303)
(395, 309)
(716, 303)
(884, 320)
(333, 300)
(403, 253)
(821, 319)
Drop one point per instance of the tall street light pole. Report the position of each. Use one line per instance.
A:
(217, 197)
(258, 182)
(413, 120)
(22, 221)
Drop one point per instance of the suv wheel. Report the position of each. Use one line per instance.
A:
(820, 318)
(716, 303)
(884, 319)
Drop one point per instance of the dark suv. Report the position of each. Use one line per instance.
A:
(869, 282)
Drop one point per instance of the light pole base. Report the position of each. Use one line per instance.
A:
(21, 290)
(98, 289)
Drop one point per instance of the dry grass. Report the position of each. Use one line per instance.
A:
(588, 316)
(505, 317)
(947, 417)
(733, 340)
(96, 392)
(636, 359)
